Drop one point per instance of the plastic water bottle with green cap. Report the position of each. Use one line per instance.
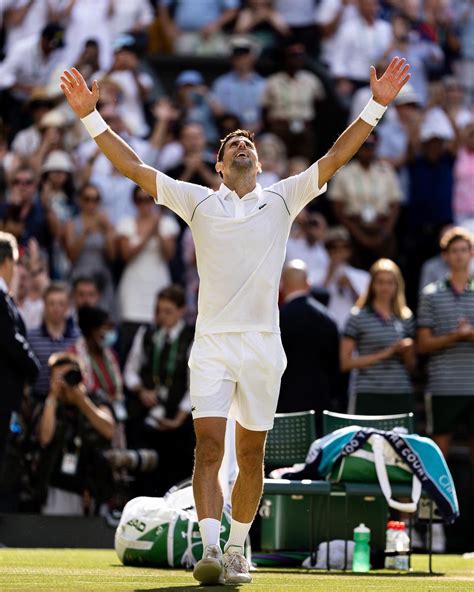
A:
(361, 559)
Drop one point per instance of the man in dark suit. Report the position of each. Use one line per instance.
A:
(18, 363)
(311, 342)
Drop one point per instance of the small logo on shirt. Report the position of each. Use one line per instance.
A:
(193, 408)
(262, 206)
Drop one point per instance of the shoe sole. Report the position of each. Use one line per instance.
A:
(239, 580)
(208, 572)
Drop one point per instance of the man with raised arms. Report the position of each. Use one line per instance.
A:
(237, 359)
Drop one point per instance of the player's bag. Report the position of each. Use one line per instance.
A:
(162, 532)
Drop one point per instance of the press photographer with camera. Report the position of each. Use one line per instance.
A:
(75, 428)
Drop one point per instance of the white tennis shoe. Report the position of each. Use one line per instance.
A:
(236, 568)
(208, 570)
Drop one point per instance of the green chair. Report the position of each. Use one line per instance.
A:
(334, 421)
(290, 510)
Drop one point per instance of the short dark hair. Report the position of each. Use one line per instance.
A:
(8, 247)
(90, 318)
(85, 279)
(174, 294)
(56, 287)
(239, 132)
(454, 234)
(61, 358)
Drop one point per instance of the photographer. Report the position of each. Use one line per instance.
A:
(75, 427)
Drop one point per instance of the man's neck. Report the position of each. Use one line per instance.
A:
(56, 330)
(295, 294)
(241, 184)
(459, 279)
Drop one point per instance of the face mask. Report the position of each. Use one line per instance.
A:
(109, 339)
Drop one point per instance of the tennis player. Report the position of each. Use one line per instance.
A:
(240, 233)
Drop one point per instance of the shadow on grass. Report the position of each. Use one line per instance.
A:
(374, 574)
(197, 587)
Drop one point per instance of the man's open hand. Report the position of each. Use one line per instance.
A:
(81, 100)
(387, 87)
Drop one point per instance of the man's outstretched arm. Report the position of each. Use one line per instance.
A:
(83, 102)
(384, 90)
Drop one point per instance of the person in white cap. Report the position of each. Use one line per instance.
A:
(237, 359)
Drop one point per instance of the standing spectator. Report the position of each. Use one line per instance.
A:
(99, 363)
(330, 15)
(463, 194)
(311, 379)
(309, 247)
(27, 141)
(18, 363)
(466, 63)
(299, 15)
(381, 329)
(344, 282)
(146, 244)
(25, 19)
(85, 292)
(361, 42)
(28, 296)
(125, 16)
(197, 27)
(240, 91)
(366, 195)
(56, 333)
(90, 243)
(156, 373)
(272, 155)
(289, 102)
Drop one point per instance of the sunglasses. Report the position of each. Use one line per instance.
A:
(22, 182)
(90, 199)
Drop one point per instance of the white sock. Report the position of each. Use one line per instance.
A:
(210, 531)
(238, 534)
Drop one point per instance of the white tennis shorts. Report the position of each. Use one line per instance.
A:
(237, 375)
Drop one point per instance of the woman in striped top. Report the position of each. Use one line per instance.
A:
(381, 329)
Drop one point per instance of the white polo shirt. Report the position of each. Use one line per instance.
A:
(240, 247)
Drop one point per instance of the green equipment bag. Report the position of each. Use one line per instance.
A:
(162, 532)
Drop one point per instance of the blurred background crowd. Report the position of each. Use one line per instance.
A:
(110, 278)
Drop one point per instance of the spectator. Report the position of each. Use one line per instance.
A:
(381, 329)
(191, 275)
(330, 15)
(156, 373)
(311, 378)
(454, 102)
(366, 196)
(125, 16)
(197, 28)
(300, 18)
(361, 42)
(27, 141)
(463, 196)
(85, 292)
(56, 333)
(99, 364)
(240, 91)
(466, 62)
(272, 156)
(446, 335)
(146, 244)
(309, 247)
(88, 62)
(75, 427)
(18, 363)
(90, 243)
(289, 103)
(164, 134)
(344, 282)
(25, 19)
(264, 24)
(28, 296)
(52, 129)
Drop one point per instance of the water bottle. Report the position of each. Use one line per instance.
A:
(402, 547)
(361, 559)
(390, 544)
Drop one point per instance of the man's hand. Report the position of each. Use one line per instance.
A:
(387, 87)
(81, 100)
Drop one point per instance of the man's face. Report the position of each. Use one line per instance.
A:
(55, 307)
(8, 270)
(24, 185)
(167, 313)
(86, 294)
(193, 139)
(458, 256)
(313, 227)
(239, 155)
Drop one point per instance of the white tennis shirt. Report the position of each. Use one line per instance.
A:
(240, 247)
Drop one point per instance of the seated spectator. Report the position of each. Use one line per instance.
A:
(361, 42)
(146, 244)
(76, 426)
(463, 194)
(289, 102)
(240, 91)
(195, 103)
(28, 295)
(88, 63)
(28, 140)
(366, 196)
(99, 363)
(164, 134)
(52, 129)
(344, 282)
(56, 333)
(272, 157)
(381, 329)
(455, 103)
(198, 28)
(446, 336)
(156, 373)
(311, 379)
(89, 239)
(264, 24)
(85, 292)
(197, 165)
(309, 246)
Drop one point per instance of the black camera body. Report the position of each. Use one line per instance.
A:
(73, 377)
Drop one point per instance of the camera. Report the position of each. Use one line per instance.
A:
(73, 377)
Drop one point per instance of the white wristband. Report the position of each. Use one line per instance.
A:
(372, 112)
(94, 123)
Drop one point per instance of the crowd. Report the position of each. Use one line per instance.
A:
(106, 281)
